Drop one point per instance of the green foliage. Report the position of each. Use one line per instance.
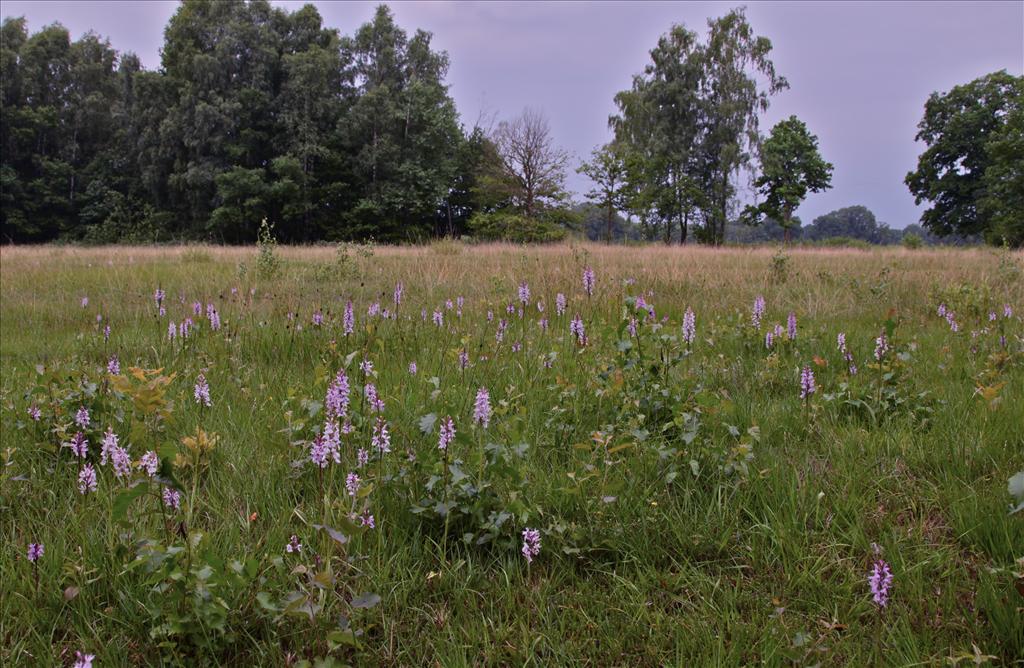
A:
(195, 597)
(912, 241)
(607, 169)
(971, 171)
(791, 167)
(843, 242)
(780, 265)
(506, 226)
(268, 264)
(402, 130)
(675, 483)
(853, 222)
(689, 124)
(256, 112)
(593, 221)
(350, 258)
(481, 498)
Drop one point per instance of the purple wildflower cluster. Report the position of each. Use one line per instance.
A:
(338, 396)
(87, 479)
(373, 398)
(35, 552)
(807, 387)
(524, 293)
(79, 445)
(577, 329)
(83, 660)
(531, 544)
(149, 463)
(172, 498)
(847, 355)
(757, 313)
(201, 392)
(881, 346)
(950, 317)
(880, 582)
(689, 326)
(352, 484)
(381, 439)
(348, 320)
(560, 304)
(482, 408)
(588, 281)
(447, 434)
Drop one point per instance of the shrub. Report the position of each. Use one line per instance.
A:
(845, 242)
(912, 241)
(267, 262)
(502, 226)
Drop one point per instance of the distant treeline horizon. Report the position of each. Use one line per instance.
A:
(258, 114)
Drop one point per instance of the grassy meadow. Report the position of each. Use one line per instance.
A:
(692, 507)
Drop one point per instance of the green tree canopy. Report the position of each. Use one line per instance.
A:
(607, 169)
(256, 113)
(690, 124)
(854, 222)
(791, 167)
(971, 171)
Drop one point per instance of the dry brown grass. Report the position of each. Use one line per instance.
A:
(838, 282)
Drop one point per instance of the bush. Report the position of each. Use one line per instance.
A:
(912, 241)
(267, 262)
(845, 242)
(128, 224)
(503, 226)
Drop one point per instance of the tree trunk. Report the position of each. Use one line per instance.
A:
(609, 221)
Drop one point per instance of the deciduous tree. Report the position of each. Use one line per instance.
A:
(791, 167)
(971, 170)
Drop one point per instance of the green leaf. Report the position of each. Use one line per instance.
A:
(263, 598)
(324, 580)
(339, 638)
(124, 500)
(336, 535)
(300, 605)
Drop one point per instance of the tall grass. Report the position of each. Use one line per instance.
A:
(659, 547)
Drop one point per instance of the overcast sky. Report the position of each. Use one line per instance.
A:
(859, 72)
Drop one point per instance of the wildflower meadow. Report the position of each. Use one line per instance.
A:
(503, 455)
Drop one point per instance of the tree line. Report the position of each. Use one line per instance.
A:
(257, 113)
